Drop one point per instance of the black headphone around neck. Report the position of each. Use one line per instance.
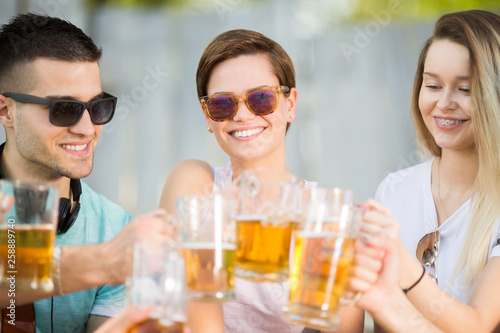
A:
(66, 217)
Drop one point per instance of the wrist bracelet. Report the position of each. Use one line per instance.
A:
(406, 290)
(57, 271)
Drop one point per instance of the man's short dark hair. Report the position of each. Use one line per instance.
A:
(28, 37)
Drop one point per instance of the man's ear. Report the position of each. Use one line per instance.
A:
(6, 107)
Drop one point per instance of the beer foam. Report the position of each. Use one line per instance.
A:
(317, 234)
(335, 219)
(15, 226)
(266, 220)
(207, 246)
(312, 219)
(251, 218)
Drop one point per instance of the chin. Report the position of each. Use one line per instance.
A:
(78, 173)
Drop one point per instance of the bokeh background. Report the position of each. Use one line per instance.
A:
(355, 61)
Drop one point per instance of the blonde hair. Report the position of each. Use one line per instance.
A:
(479, 32)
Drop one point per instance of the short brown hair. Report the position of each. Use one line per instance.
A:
(30, 36)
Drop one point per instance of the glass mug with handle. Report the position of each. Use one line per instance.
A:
(267, 207)
(310, 197)
(27, 235)
(156, 279)
(323, 258)
(208, 242)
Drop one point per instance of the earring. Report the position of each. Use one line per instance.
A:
(291, 116)
(209, 130)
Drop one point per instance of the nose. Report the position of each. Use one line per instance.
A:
(447, 100)
(84, 126)
(243, 113)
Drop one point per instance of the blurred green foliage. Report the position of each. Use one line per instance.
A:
(178, 4)
(140, 3)
(419, 8)
(359, 9)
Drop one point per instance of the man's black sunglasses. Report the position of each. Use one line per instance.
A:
(66, 112)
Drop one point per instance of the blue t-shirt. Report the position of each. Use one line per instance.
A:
(99, 220)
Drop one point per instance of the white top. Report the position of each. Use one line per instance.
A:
(408, 195)
(257, 307)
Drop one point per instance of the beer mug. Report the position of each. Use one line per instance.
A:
(266, 214)
(157, 279)
(310, 198)
(208, 235)
(27, 235)
(323, 257)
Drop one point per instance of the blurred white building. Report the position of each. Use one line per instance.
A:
(354, 80)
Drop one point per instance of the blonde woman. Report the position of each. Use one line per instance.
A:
(246, 87)
(449, 207)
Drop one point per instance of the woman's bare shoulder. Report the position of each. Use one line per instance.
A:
(186, 177)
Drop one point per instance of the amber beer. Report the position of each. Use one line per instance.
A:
(29, 256)
(321, 268)
(209, 270)
(153, 325)
(263, 248)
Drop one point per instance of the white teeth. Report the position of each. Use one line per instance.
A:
(244, 134)
(76, 147)
(448, 122)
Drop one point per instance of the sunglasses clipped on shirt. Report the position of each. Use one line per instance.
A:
(428, 250)
(260, 101)
(66, 112)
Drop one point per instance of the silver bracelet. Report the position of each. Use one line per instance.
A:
(57, 270)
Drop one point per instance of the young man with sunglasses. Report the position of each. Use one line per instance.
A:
(52, 108)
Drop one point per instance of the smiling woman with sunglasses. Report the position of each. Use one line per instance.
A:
(246, 88)
(449, 206)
